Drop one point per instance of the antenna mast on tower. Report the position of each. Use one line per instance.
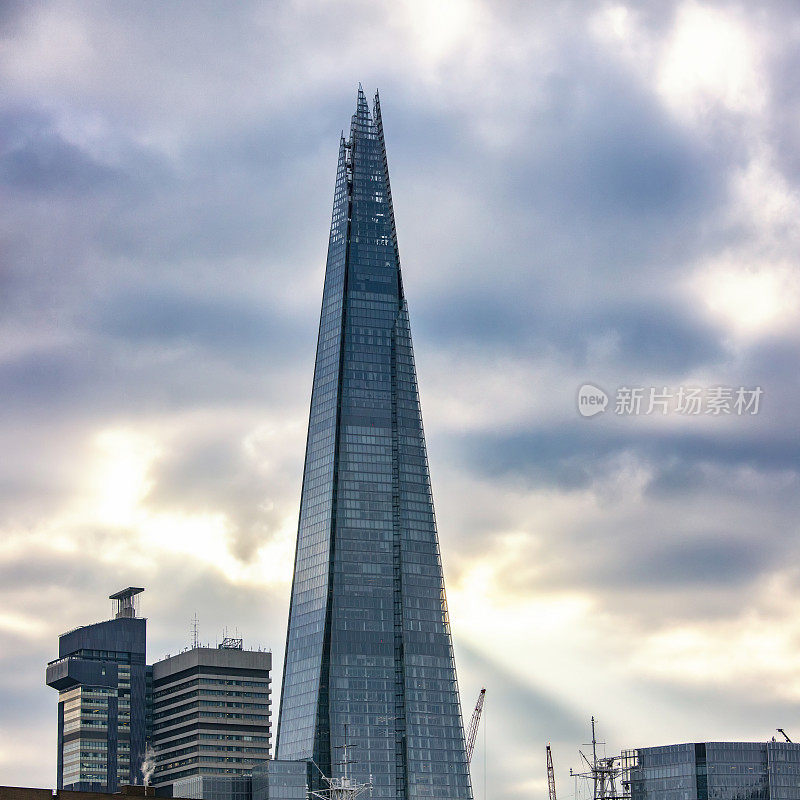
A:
(604, 774)
(344, 788)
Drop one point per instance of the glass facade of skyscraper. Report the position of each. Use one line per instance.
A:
(369, 660)
(718, 771)
(783, 769)
(281, 780)
(204, 787)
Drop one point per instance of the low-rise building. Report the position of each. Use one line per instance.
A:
(717, 771)
(204, 787)
(30, 793)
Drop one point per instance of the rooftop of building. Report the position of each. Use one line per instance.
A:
(31, 793)
(220, 657)
(125, 594)
(763, 743)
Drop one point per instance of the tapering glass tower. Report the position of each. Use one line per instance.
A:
(369, 659)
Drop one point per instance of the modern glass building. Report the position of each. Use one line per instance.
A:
(717, 771)
(203, 787)
(100, 675)
(281, 780)
(369, 659)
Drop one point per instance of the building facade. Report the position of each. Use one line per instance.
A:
(100, 675)
(211, 714)
(281, 780)
(369, 660)
(717, 771)
(204, 787)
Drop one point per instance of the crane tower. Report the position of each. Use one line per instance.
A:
(473, 725)
(551, 776)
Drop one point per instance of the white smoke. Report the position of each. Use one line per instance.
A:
(148, 765)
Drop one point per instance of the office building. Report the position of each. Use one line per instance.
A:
(281, 780)
(211, 715)
(369, 659)
(205, 787)
(717, 771)
(100, 675)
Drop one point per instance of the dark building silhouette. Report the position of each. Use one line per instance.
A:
(369, 659)
(101, 677)
(29, 793)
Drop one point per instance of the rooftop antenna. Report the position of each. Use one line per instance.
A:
(594, 756)
(194, 629)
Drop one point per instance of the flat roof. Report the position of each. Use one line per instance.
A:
(125, 593)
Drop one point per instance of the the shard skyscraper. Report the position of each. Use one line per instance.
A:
(369, 658)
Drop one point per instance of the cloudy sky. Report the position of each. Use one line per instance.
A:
(585, 193)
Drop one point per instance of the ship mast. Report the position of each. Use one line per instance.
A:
(606, 774)
(345, 787)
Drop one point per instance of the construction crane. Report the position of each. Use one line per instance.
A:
(473, 725)
(551, 776)
(785, 735)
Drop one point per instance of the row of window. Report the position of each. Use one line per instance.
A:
(212, 737)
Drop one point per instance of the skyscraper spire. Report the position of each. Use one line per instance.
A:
(368, 651)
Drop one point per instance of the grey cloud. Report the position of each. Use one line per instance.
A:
(573, 456)
(605, 149)
(229, 326)
(708, 716)
(661, 338)
(51, 164)
(654, 558)
(212, 473)
(45, 376)
(781, 63)
(15, 17)
(19, 575)
(98, 378)
(37, 160)
(712, 558)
